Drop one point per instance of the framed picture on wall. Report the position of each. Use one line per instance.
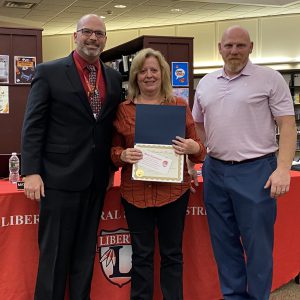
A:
(182, 93)
(180, 74)
(4, 100)
(4, 69)
(24, 67)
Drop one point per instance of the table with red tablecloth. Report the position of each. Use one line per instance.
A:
(111, 280)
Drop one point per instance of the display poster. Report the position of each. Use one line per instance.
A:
(24, 69)
(180, 74)
(182, 93)
(4, 69)
(4, 102)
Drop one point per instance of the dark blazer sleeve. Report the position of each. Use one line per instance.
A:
(35, 124)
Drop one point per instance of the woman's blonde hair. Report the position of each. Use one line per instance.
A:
(137, 65)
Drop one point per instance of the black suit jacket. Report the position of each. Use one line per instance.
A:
(61, 140)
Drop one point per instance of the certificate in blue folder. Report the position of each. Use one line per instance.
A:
(155, 128)
(159, 124)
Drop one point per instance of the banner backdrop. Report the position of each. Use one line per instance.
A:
(111, 281)
(111, 278)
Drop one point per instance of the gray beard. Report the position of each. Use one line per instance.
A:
(91, 53)
(235, 68)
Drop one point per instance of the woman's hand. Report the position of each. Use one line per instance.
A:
(185, 146)
(131, 155)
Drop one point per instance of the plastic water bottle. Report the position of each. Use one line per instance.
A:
(14, 166)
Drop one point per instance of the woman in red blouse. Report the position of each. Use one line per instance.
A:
(153, 204)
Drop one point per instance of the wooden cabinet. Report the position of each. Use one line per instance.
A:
(15, 42)
(174, 49)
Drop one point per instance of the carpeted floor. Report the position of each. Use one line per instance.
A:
(290, 291)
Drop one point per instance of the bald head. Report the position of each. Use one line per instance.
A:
(235, 48)
(236, 31)
(89, 18)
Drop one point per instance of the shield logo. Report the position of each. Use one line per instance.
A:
(115, 251)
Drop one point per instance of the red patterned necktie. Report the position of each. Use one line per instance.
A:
(94, 97)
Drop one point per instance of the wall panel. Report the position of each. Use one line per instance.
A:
(280, 37)
(273, 37)
(160, 31)
(56, 46)
(115, 38)
(205, 48)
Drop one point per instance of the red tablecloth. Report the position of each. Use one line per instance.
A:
(19, 251)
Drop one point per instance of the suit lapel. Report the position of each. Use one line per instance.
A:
(75, 81)
(108, 105)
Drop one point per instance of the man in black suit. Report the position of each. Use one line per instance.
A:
(66, 142)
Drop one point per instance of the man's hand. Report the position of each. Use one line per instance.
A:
(193, 174)
(279, 181)
(34, 187)
(194, 179)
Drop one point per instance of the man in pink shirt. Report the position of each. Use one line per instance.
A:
(236, 110)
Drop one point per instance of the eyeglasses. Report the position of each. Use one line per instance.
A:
(88, 32)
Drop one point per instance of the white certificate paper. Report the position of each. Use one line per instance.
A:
(159, 163)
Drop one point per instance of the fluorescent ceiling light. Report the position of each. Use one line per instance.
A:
(176, 10)
(120, 6)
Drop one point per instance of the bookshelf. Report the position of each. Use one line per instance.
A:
(174, 49)
(15, 42)
(292, 78)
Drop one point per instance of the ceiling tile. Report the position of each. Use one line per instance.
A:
(245, 8)
(218, 6)
(229, 15)
(203, 12)
(61, 15)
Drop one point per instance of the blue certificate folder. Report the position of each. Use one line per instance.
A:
(159, 124)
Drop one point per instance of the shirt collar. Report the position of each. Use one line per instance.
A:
(246, 71)
(129, 101)
(83, 63)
